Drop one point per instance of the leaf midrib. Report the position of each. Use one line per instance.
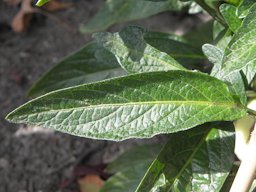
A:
(206, 103)
(201, 142)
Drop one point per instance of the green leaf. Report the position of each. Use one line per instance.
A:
(89, 64)
(41, 2)
(129, 168)
(244, 7)
(235, 80)
(177, 47)
(127, 180)
(133, 53)
(201, 35)
(140, 105)
(139, 155)
(194, 160)
(119, 11)
(241, 51)
(229, 13)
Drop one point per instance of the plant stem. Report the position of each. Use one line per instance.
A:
(214, 13)
(247, 169)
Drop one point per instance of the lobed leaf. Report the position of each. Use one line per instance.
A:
(195, 160)
(140, 105)
(90, 63)
(133, 53)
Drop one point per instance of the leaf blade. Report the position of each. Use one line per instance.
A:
(120, 11)
(188, 162)
(133, 53)
(90, 63)
(240, 52)
(140, 105)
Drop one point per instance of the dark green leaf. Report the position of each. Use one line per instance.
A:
(139, 155)
(133, 53)
(91, 63)
(129, 168)
(127, 180)
(194, 160)
(119, 11)
(179, 49)
(140, 105)
(229, 13)
(235, 80)
(200, 35)
(241, 52)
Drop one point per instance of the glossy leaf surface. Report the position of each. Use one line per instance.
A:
(89, 64)
(119, 11)
(195, 160)
(41, 2)
(133, 53)
(140, 105)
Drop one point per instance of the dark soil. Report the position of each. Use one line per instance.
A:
(33, 159)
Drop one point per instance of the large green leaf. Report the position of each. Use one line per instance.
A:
(133, 53)
(241, 52)
(235, 80)
(91, 63)
(140, 105)
(194, 160)
(130, 168)
(119, 11)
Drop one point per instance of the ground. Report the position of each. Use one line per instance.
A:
(33, 159)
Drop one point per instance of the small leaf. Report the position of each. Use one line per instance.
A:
(229, 13)
(135, 106)
(194, 160)
(119, 11)
(89, 64)
(133, 53)
(241, 51)
(41, 2)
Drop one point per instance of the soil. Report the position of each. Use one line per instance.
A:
(33, 159)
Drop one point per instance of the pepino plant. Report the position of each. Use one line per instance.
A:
(198, 88)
